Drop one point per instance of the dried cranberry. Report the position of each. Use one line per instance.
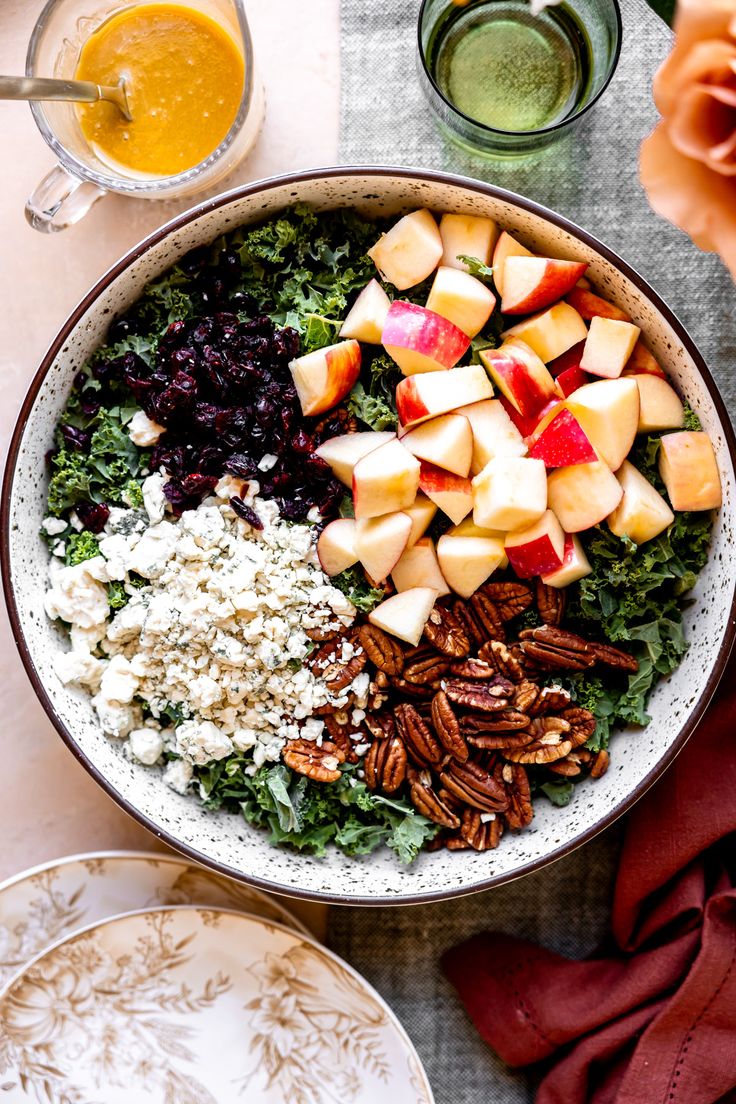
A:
(77, 439)
(245, 512)
(195, 260)
(93, 515)
(240, 464)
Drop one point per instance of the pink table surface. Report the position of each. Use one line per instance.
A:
(50, 806)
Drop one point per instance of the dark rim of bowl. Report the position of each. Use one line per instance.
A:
(337, 172)
(540, 132)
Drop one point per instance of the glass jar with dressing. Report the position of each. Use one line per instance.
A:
(196, 103)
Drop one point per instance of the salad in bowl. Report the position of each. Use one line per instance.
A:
(372, 531)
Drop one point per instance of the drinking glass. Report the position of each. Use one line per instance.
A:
(80, 178)
(598, 33)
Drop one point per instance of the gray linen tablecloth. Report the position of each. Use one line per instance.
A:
(594, 181)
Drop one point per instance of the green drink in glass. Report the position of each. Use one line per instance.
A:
(502, 80)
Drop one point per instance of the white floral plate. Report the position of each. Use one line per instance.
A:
(46, 904)
(199, 1006)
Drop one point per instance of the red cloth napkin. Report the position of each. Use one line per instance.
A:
(653, 1020)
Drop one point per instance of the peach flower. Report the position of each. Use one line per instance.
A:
(688, 165)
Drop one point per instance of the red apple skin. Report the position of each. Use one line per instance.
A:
(570, 359)
(409, 405)
(557, 278)
(538, 557)
(526, 426)
(432, 478)
(343, 368)
(588, 305)
(563, 443)
(642, 362)
(413, 327)
(571, 379)
(508, 364)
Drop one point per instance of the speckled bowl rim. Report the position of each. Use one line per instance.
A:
(294, 179)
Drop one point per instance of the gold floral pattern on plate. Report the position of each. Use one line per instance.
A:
(50, 902)
(200, 1006)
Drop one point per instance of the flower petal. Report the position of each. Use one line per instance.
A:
(690, 195)
(702, 127)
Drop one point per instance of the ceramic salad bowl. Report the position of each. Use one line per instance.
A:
(222, 840)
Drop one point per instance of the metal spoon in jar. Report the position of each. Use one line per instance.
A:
(45, 88)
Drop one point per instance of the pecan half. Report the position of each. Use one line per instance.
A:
(506, 720)
(447, 727)
(487, 613)
(339, 731)
(414, 690)
(510, 599)
(600, 764)
(538, 752)
(526, 696)
(581, 722)
(380, 725)
(446, 633)
(556, 659)
(482, 831)
(492, 741)
(337, 672)
(384, 651)
(320, 763)
(470, 623)
(427, 802)
(614, 657)
(423, 672)
(551, 602)
(320, 635)
(475, 786)
(473, 669)
(420, 741)
(520, 812)
(497, 654)
(385, 765)
(486, 697)
(551, 699)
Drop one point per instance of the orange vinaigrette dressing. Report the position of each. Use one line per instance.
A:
(184, 78)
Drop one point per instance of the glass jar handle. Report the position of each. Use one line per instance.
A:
(60, 200)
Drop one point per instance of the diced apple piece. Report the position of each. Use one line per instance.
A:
(506, 246)
(570, 359)
(380, 542)
(418, 567)
(527, 426)
(467, 561)
(446, 441)
(575, 564)
(538, 548)
(466, 236)
(571, 380)
(588, 305)
(367, 315)
(532, 283)
(687, 464)
(421, 397)
(509, 493)
(563, 442)
(410, 251)
(404, 615)
(494, 434)
(324, 377)
(551, 332)
(336, 546)
(462, 299)
(642, 513)
(608, 411)
(583, 495)
(421, 512)
(641, 362)
(343, 453)
(659, 404)
(521, 376)
(608, 346)
(420, 340)
(385, 480)
(452, 493)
